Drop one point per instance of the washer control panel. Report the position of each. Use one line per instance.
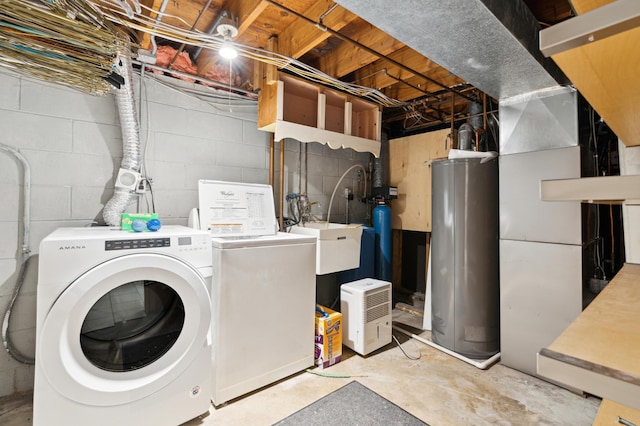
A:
(137, 243)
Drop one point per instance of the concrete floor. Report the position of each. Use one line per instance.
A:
(437, 388)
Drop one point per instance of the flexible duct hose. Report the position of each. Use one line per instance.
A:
(131, 158)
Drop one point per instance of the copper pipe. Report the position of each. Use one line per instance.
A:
(484, 111)
(453, 137)
(272, 160)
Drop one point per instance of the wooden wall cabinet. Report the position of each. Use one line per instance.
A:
(298, 109)
(410, 171)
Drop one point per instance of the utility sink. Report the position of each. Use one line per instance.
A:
(338, 245)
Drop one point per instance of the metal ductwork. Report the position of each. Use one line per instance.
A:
(492, 44)
(129, 173)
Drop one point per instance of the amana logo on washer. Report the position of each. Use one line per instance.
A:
(78, 247)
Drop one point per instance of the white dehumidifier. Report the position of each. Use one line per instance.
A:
(366, 312)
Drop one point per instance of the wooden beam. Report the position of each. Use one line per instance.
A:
(348, 57)
(302, 36)
(145, 39)
(271, 71)
(383, 74)
(246, 11)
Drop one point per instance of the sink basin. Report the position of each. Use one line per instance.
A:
(338, 245)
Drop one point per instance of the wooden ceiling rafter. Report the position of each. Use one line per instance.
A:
(333, 40)
(301, 36)
(367, 49)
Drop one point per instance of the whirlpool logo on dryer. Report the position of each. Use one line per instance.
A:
(75, 247)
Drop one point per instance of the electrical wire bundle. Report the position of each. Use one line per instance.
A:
(146, 22)
(63, 41)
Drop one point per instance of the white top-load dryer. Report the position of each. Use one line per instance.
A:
(122, 327)
(263, 290)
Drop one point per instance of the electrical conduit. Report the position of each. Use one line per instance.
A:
(25, 255)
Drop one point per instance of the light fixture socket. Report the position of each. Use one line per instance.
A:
(228, 31)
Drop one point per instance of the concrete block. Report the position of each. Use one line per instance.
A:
(87, 202)
(9, 208)
(52, 168)
(10, 169)
(97, 139)
(10, 93)
(201, 171)
(167, 119)
(183, 149)
(58, 101)
(255, 176)
(227, 128)
(319, 165)
(175, 203)
(230, 154)
(10, 238)
(168, 175)
(8, 271)
(252, 136)
(50, 202)
(30, 131)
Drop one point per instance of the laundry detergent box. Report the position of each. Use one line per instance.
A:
(328, 335)
(142, 220)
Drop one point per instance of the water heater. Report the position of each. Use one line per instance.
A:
(366, 313)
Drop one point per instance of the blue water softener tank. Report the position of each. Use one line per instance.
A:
(382, 227)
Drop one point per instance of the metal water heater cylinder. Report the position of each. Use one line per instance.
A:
(465, 286)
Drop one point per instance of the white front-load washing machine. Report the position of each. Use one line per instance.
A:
(122, 327)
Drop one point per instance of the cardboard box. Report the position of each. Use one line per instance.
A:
(328, 346)
(127, 219)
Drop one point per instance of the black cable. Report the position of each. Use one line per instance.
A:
(153, 203)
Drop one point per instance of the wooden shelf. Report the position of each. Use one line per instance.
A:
(600, 351)
(298, 109)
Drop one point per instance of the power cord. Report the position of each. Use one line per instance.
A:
(404, 352)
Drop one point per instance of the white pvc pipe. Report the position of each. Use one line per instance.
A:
(478, 364)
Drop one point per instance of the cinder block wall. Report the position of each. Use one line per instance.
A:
(73, 144)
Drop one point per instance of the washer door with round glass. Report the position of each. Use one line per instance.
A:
(125, 329)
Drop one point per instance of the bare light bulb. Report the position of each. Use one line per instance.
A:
(227, 50)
